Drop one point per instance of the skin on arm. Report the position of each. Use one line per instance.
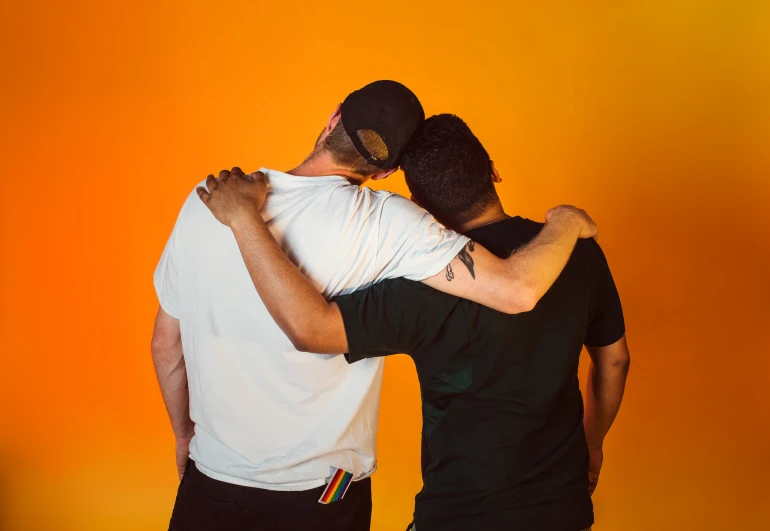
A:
(308, 320)
(313, 324)
(604, 393)
(515, 284)
(171, 372)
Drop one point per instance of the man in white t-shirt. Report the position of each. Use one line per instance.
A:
(263, 431)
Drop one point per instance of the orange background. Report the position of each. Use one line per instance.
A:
(654, 116)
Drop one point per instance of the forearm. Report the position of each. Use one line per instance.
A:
(536, 266)
(294, 303)
(604, 394)
(171, 372)
(515, 284)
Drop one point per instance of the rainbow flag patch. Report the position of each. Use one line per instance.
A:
(337, 487)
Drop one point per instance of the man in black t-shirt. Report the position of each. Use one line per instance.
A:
(505, 442)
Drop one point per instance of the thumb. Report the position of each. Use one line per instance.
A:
(258, 176)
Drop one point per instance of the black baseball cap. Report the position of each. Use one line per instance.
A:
(389, 109)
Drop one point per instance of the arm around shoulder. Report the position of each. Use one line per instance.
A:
(516, 284)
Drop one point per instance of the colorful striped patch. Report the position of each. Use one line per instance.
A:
(337, 486)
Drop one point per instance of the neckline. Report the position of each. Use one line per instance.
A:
(271, 174)
(516, 219)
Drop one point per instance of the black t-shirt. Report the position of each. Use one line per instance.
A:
(503, 445)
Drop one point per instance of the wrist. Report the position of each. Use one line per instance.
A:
(593, 443)
(184, 435)
(246, 219)
(185, 430)
(569, 217)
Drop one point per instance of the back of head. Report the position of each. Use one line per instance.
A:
(376, 124)
(342, 150)
(448, 170)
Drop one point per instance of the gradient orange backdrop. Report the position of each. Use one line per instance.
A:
(654, 116)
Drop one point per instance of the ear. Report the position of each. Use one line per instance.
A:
(495, 174)
(382, 174)
(334, 117)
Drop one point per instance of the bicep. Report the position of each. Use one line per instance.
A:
(478, 275)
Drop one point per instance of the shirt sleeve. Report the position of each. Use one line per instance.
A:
(411, 243)
(605, 319)
(395, 316)
(166, 278)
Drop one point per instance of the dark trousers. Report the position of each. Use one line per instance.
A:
(203, 504)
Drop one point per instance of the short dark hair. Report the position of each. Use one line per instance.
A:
(344, 152)
(448, 171)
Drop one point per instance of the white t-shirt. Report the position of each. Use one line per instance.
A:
(265, 414)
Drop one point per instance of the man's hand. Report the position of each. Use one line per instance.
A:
(589, 229)
(595, 458)
(182, 454)
(234, 196)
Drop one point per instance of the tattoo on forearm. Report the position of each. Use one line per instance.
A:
(450, 275)
(466, 258)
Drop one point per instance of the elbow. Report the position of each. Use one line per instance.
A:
(522, 299)
(619, 363)
(302, 340)
(622, 358)
(158, 350)
(300, 344)
(311, 335)
(624, 363)
(165, 349)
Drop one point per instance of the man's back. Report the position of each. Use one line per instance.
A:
(503, 440)
(266, 415)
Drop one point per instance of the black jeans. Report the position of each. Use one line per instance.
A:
(203, 504)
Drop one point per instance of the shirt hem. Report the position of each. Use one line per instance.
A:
(353, 333)
(302, 486)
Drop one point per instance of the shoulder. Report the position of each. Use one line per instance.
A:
(594, 261)
(363, 196)
(526, 228)
(195, 216)
(396, 213)
(398, 205)
(592, 250)
(588, 247)
(193, 204)
(390, 204)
